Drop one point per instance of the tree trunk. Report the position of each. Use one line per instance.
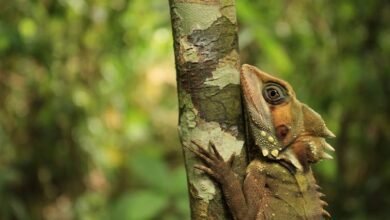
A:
(207, 66)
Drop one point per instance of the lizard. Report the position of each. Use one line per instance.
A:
(286, 137)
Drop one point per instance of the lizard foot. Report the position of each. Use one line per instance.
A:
(214, 164)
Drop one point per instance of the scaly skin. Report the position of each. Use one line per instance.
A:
(287, 137)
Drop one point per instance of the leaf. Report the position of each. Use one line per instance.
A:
(183, 206)
(139, 205)
(151, 170)
(178, 184)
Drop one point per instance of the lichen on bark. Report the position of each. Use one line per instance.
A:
(207, 66)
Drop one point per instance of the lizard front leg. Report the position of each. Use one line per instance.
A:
(221, 172)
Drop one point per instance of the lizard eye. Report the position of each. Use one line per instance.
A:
(274, 93)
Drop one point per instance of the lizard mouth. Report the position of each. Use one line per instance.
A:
(303, 150)
(314, 148)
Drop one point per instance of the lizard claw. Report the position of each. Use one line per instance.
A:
(199, 153)
(205, 169)
(214, 164)
(217, 154)
(231, 160)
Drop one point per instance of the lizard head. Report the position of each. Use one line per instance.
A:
(281, 126)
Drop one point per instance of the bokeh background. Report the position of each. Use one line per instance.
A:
(88, 106)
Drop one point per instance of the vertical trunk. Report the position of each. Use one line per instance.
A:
(207, 65)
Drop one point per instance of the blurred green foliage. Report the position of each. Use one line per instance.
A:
(89, 109)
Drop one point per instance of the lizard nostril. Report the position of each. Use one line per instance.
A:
(282, 131)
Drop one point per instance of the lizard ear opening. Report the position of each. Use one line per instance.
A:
(282, 132)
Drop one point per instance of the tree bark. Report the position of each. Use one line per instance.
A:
(207, 66)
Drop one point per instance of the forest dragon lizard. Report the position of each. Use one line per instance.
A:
(287, 136)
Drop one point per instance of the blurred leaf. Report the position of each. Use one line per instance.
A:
(139, 205)
(183, 205)
(91, 206)
(27, 28)
(178, 182)
(151, 170)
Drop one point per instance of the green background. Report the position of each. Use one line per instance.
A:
(88, 105)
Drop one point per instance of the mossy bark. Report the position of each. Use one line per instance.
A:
(207, 65)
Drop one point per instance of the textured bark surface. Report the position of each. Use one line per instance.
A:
(207, 66)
